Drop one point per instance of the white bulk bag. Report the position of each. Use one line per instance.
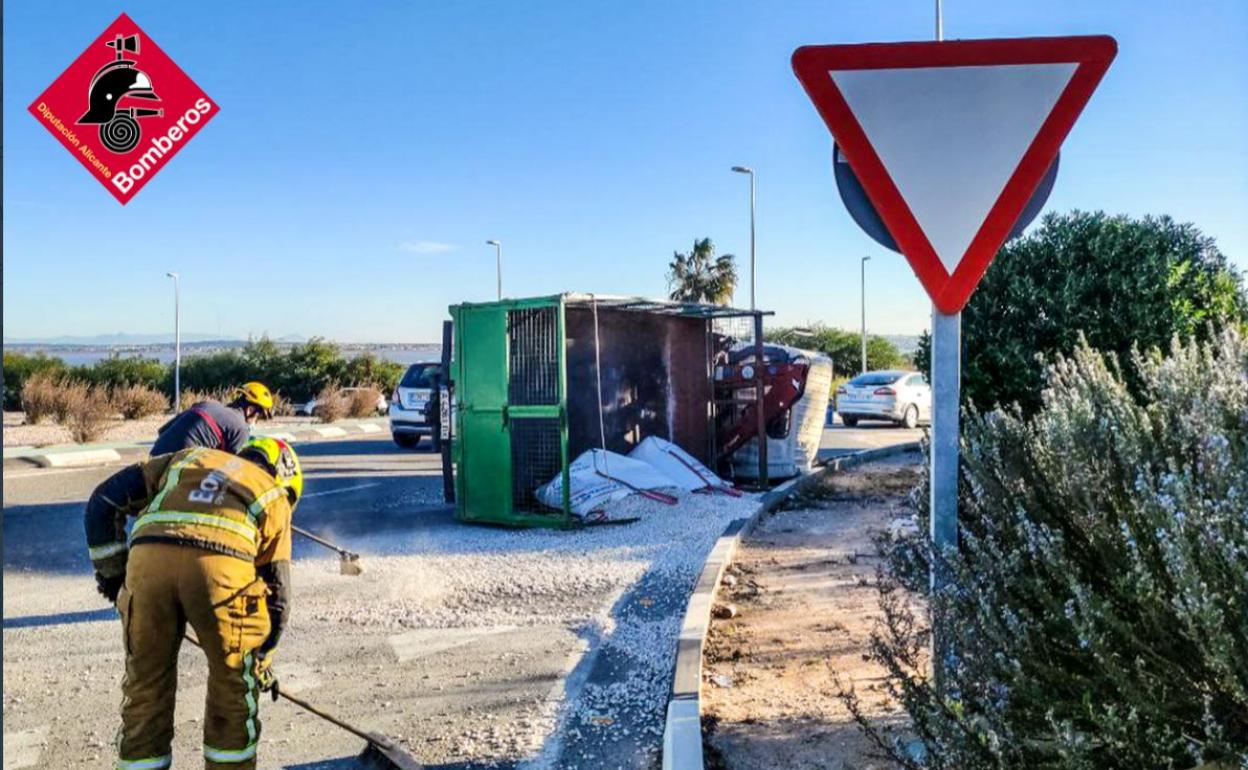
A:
(598, 477)
(686, 470)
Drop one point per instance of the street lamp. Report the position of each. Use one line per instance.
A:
(177, 343)
(750, 171)
(864, 313)
(498, 248)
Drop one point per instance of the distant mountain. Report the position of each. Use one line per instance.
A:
(117, 339)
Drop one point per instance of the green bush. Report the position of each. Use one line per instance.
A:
(843, 347)
(1117, 281)
(297, 373)
(19, 367)
(118, 372)
(1098, 604)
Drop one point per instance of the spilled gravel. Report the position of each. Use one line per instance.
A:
(470, 646)
(620, 589)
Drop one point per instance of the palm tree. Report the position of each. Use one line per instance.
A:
(700, 276)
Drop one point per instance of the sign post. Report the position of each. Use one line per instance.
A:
(949, 142)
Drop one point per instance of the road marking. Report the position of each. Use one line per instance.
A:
(341, 489)
(428, 641)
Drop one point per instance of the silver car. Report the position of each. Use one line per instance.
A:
(903, 398)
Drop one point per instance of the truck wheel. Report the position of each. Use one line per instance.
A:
(849, 421)
(406, 440)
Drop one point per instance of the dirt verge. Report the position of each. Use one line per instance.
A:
(793, 625)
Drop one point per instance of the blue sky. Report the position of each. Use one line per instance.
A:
(365, 152)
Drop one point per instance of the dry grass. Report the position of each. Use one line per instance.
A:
(88, 414)
(330, 404)
(40, 396)
(363, 402)
(135, 402)
(192, 397)
(282, 406)
(69, 399)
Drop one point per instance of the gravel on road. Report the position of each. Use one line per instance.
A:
(467, 644)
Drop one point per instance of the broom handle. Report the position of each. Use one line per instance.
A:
(303, 704)
(342, 551)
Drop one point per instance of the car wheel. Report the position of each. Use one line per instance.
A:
(849, 421)
(911, 417)
(406, 440)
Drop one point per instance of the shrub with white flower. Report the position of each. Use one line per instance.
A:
(1098, 603)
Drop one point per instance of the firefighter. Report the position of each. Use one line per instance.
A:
(215, 425)
(210, 547)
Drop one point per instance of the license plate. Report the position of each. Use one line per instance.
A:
(444, 413)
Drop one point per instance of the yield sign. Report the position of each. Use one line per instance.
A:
(950, 139)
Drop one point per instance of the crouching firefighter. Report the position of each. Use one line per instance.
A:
(210, 546)
(216, 425)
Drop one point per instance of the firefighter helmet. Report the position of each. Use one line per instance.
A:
(282, 462)
(256, 394)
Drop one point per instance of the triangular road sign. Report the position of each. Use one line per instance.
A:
(949, 139)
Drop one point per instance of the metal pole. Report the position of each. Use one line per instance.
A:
(750, 171)
(864, 313)
(943, 501)
(752, 262)
(177, 342)
(498, 254)
(759, 398)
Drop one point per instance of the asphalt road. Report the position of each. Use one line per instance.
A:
(348, 485)
(462, 642)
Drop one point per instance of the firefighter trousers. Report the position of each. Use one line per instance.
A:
(167, 587)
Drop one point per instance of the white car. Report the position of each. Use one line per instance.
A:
(903, 398)
(309, 408)
(409, 405)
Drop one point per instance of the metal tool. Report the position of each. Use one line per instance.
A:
(349, 561)
(381, 753)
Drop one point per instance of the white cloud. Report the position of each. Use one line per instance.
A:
(426, 247)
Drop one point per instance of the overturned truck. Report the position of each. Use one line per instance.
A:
(537, 382)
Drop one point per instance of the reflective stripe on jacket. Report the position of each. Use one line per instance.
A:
(218, 501)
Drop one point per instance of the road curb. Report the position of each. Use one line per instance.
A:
(682, 733)
(89, 456)
(82, 458)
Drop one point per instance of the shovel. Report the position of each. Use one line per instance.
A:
(381, 753)
(348, 561)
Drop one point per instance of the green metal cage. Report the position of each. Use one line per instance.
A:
(509, 370)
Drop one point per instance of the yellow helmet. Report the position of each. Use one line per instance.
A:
(282, 462)
(257, 394)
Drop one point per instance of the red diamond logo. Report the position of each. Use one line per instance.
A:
(123, 108)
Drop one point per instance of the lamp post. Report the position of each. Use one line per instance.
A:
(750, 171)
(177, 343)
(498, 253)
(864, 313)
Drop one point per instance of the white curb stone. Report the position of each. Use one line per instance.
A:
(330, 432)
(77, 459)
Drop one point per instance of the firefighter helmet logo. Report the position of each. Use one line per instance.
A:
(123, 108)
(120, 81)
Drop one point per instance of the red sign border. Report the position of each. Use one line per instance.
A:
(950, 293)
